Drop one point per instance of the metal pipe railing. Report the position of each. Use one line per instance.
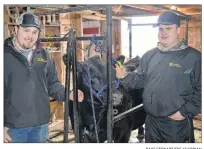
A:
(130, 37)
(55, 39)
(73, 9)
(109, 68)
(75, 89)
(127, 113)
(67, 89)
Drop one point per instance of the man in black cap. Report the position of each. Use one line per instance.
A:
(170, 75)
(30, 77)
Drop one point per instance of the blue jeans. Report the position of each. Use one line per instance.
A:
(35, 134)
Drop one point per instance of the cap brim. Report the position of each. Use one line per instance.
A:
(165, 23)
(29, 25)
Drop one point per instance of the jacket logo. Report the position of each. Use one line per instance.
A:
(174, 65)
(41, 60)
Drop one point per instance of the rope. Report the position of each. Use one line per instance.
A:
(93, 110)
(99, 48)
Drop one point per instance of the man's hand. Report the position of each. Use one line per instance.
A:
(80, 96)
(177, 116)
(121, 72)
(7, 138)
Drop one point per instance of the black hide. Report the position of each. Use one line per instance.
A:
(122, 101)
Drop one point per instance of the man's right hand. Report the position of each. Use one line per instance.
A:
(7, 138)
(121, 72)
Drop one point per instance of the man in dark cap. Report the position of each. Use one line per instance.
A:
(30, 78)
(170, 75)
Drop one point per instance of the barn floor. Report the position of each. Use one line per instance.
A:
(59, 125)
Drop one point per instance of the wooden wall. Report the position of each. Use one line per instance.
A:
(71, 20)
(194, 34)
(57, 107)
(116, 35)
(67, 21)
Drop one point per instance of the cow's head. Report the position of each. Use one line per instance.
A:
(94, 71)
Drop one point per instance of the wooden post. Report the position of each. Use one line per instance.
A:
(79, 33)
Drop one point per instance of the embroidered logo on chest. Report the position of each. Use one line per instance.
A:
(174, 65)
(41, 60)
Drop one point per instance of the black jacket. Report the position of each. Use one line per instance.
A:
(171, 82)
(27, 87)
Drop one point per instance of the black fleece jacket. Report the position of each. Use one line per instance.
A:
(171, 82)
(27, 87)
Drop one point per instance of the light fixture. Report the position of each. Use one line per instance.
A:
(173, 7)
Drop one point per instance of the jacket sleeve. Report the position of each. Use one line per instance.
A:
(135, 80)
(55, 89)
(192, 105)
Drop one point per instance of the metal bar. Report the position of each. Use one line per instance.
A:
(166, 8)
(67, 90)
(144, 24)
(186, 33)
(73, 9)
(54, 39)
(109, 64)
(130, 37)
(37, 6)
(127, 113)
(75, 90)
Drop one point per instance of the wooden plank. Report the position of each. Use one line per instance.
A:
(182, 32)
(52, 31)
(79, 33)
(117, 37)
(191, 24)
(57, 107)
(194, 34)
(190, 36)
(198, 38)
(194, 37)
(95, 13)
(93, 17)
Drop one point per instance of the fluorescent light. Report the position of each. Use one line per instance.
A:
(173, 7)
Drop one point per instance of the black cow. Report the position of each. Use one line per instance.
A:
(94, 70)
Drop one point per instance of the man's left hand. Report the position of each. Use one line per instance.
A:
(177, 116)
(80, 96)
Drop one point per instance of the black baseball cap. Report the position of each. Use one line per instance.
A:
(169, 18)
(29, 20)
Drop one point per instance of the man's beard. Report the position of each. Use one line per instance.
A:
(27, 46)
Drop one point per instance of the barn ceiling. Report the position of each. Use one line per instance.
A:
(121, 12)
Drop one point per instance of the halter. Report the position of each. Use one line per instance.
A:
(98, 94)
(99, 48)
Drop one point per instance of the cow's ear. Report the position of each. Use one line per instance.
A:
(120, 59)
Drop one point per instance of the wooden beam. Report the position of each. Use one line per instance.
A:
(79, 33)
(91, 17)
(134, 11)
(95, 13)
(144, 7)
(191, 24)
